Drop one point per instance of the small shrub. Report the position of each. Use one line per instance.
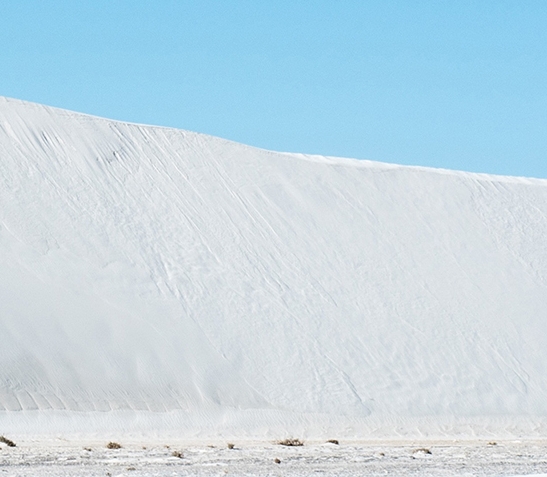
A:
(7, 441)
(492, 443)
(290, 442)
(113, 445)
(333, 441)
(277, 461)
(423, 450)
(230, 445)
(177, 454)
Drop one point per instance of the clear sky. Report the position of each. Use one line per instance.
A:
(454, 84)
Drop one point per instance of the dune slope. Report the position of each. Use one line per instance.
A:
(152, 269)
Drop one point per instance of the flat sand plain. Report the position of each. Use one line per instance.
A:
(58, 457)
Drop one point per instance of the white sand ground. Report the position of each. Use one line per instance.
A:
(158, 281)
(213, 458)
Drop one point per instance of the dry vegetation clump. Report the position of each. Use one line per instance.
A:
(291, 442)
(178, 454)
(277, 461)
(492, 443)
(113, 445)
(422, 450)
(230, 445)
(333, 441)
(7, 441)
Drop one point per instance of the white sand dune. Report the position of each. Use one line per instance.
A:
(158, 279)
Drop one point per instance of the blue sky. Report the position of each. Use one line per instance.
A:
(455, 84)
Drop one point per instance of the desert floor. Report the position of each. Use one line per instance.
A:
(58, 457)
